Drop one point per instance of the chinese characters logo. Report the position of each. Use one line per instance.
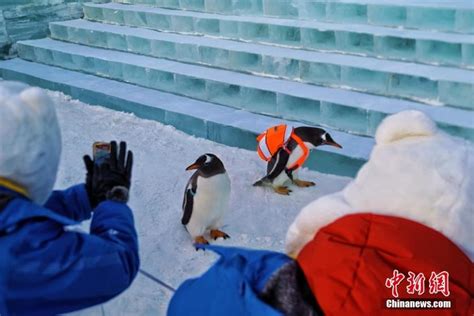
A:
(438, 283)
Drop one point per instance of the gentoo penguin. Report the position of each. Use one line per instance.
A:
(284, 164)
(206, 198)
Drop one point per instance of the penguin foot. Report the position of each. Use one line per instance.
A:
(215, 233)
(282, 190)
(200, 240)
(303, 184)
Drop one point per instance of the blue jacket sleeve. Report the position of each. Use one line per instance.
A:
(60, 271)
(234, 283)
(72, 203)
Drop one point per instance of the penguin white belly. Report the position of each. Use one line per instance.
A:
(281, 180)
(210, 203)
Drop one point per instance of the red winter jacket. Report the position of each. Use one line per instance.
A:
(348, 262)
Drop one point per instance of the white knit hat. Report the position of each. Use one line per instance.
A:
(30, 139)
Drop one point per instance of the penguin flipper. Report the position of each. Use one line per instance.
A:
(277, 164)
(188, 200)
(188, 203)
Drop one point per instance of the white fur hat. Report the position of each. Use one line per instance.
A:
(30, 140)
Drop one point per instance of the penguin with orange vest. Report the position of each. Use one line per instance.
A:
(286, 149)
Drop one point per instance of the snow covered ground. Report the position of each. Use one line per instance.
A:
(258, 218)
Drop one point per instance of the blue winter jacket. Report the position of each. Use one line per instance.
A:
(231, 286)
(46, 270)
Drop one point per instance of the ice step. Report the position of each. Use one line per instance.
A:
(393, 78)
(440, 15)
(411, 45)
(218, 123)
(344, 110)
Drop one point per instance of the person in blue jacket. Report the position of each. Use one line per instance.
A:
(246, 282)
(46, 269)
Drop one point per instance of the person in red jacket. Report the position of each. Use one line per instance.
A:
(399, 238)
(367, 264)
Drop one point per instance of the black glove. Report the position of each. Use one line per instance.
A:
(109, 180)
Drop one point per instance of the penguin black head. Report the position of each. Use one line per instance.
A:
(315, 136)
(208, 165)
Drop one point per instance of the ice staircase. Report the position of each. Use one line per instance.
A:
(228, 69)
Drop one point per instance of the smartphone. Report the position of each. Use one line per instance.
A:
(100, 152)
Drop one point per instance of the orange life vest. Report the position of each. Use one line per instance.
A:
(277, 137)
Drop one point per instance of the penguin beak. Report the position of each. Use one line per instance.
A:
(193, 166)
(329, 141)
(333, 144)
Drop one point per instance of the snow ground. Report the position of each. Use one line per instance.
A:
(258, 218)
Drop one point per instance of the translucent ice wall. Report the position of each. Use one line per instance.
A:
(28, 19)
